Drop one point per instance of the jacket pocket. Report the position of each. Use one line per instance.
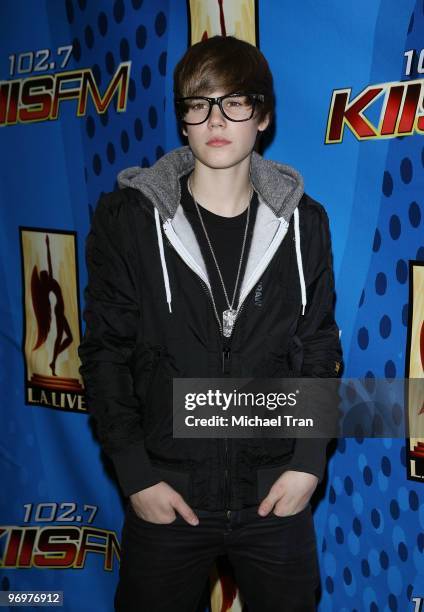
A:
(285, 358)
(277, 363)
(295, 355)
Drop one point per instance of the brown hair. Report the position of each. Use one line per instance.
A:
(227, 63)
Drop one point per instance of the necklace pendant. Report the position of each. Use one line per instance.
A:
(228, 318)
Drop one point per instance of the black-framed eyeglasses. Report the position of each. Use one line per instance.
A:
(193, 110)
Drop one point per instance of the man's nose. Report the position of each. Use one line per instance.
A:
(216, 115)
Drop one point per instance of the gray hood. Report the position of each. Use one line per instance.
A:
(278, 185)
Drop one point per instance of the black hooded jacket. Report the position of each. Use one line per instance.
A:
(149, 318)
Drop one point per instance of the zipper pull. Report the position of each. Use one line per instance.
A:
(226, 355)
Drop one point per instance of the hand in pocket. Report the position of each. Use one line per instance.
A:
(160, 504)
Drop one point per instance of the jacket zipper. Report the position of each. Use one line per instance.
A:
(209, 293)
(226, 357)
(226, 368)
(226, 361)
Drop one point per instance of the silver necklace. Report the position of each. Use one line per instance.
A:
(229, 315)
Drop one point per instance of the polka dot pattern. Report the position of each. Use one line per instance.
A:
(104, 35)
(102, 24)
(380, 283)
(378, 514)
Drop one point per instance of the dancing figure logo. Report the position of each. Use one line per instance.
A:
(52, 319)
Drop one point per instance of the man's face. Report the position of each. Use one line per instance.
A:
(236, 139)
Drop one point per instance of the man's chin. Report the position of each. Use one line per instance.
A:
(221, 162)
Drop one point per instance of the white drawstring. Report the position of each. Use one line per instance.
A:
(299, 259)
(163, 260)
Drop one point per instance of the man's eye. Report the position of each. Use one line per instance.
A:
(198, 106)
(237, 102)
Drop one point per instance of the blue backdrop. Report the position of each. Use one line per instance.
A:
(369, 516)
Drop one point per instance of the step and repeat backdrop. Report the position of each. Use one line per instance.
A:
(85, 91)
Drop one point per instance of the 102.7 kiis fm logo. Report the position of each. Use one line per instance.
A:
(51, 317)
(401, 113)
(59, 546)
(29, 99)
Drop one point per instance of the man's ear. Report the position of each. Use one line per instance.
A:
(184, 131)
(264, 123)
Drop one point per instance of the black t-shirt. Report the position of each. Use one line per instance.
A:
(226, 235)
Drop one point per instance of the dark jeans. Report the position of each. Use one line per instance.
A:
(165, 568)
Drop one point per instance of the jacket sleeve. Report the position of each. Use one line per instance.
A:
(112, 318)
(317, 333)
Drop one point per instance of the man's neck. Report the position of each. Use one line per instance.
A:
(225, 191)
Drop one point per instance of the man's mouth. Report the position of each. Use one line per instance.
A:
(217, 142)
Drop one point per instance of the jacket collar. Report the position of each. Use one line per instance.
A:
(279, 186)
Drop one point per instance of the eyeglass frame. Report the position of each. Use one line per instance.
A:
(256, 98)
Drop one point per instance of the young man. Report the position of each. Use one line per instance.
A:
(211, 263)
